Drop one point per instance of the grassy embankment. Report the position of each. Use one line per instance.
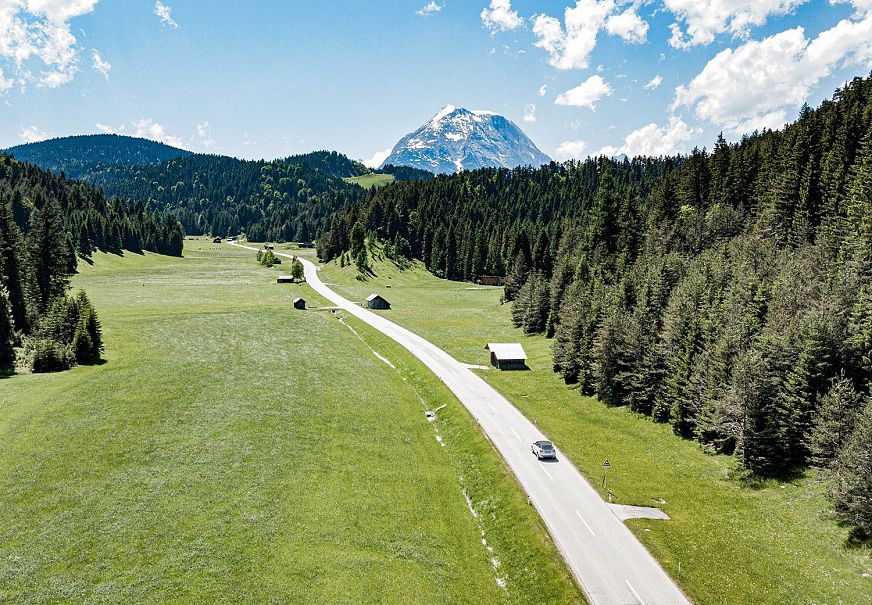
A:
(233, 450)
(739, 541)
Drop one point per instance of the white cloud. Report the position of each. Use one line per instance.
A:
(570, 48)
(499, 16)
(654, 140)
(106, 129)
(99, 64)
(755, 84)
(569, 44)
(32, 134)
(530, 113)
(654, 83)
(149, 129)
(377, 158)
(204, 135)
(570, 150)
(705, 20)
(4, 83)
(543, 90)
(165, 13)
(37, 32)
(586, 94)
(628, 25)
(428, 9)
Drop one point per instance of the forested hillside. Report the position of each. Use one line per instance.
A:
(76, 156)
(277, 201)
(46, 224)
(727, 293)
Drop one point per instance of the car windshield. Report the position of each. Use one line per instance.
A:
(546, 445)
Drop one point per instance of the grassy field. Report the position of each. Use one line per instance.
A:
(739, 542)
(368, 181)
(233, 450)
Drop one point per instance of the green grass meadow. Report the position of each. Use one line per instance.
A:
(233, 450)
(739, 542)
(367, 181)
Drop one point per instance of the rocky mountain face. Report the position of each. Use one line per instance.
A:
(457, 139)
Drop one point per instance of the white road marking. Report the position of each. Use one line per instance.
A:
(585, 524)
(546, 471)
(491, 406)
(516, 434)
(635, 594)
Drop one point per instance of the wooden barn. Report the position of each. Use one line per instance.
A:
(374, 301)
(491, 280)
(299, 303)
(507, 356)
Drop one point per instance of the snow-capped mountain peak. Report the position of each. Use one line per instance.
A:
(459, 139)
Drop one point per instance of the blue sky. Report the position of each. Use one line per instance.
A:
(266, 79)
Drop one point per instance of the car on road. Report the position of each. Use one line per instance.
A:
(543, 450)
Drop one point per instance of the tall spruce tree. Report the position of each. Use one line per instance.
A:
(47, 252)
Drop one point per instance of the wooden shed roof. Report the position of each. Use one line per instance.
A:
(507, 350)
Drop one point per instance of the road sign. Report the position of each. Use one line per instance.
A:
(606, 464)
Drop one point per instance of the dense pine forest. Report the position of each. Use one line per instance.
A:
(727, 293)
(268, 201)
(77, 156)
(46, 224)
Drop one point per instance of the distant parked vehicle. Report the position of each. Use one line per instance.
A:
(231, 239)
(543, 450)
(217, 240)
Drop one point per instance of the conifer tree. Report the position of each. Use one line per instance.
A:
(853, 476)
(48, 255)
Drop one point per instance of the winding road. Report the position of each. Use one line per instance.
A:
(608, 561)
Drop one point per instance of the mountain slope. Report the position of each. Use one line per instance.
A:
(457, 139)
(75, 155)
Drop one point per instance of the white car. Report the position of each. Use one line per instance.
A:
(543, 450)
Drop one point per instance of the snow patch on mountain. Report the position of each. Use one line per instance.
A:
(457, 139)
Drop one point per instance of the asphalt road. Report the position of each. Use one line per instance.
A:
(610, 564)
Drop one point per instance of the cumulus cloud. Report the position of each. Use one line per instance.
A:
(543, 90)
(530, 113)
(5, 84)
(654, 140)
(377, 158)
(149, 129)
(37, 33)
(755, 84)
(570, 150)
(204, 135)
(654, 83)
(499, 16)
(569, 44)
(628, 25)
(429, 9)
(32, 134)
(165, 14)
(705, 20)
(99, 64)
(586, 94)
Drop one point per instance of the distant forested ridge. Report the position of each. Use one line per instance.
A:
(268, 201)
(282, 200)
(727, 293)
(76, 156)
(46, 224)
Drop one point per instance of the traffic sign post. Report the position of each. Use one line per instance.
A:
(606, 466)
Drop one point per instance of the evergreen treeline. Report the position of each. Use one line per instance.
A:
(46, 224)
(406, 173)
(727, 293)
(268, 201)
